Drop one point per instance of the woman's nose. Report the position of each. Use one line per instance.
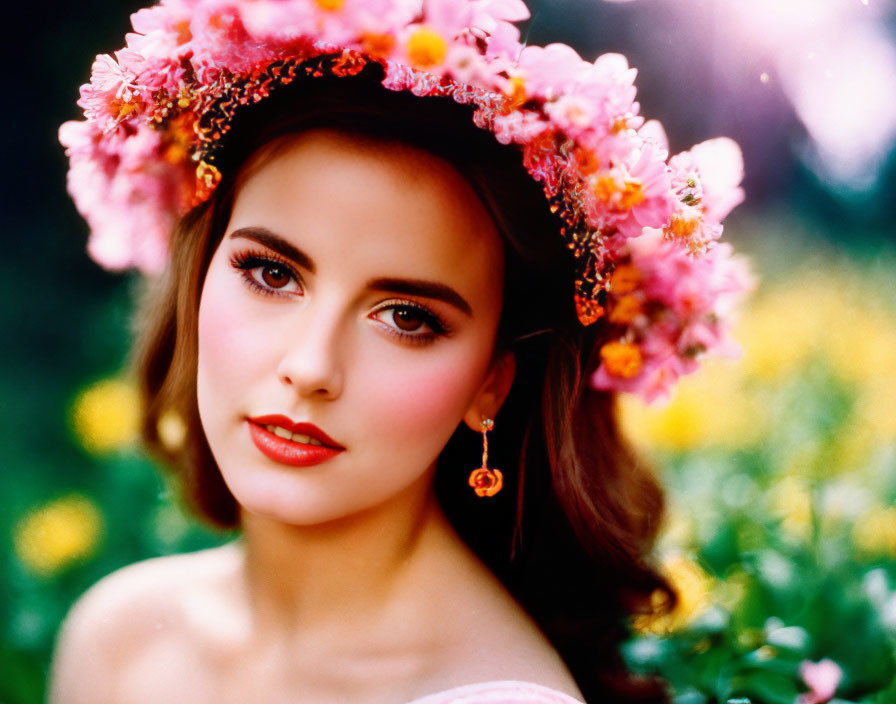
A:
(311, 361)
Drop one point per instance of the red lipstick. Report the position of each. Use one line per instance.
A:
(288, 451)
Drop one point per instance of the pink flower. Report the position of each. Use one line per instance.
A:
(716, 167)
(493, 19)
(467, 65)
(448, 17)
(822, 678)
(128, 195)
(111, 94)
(634, 192)
(687, 298)
(221, 38)
(609, 84)
(275, 20)
(661, 368)
(721, 166)
(548, 71)
(499, 10)
(161, 31)
(572, 113)
(653, 131)
(518, 127)
(706, 181)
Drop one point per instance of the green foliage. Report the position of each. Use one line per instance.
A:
(791, 530)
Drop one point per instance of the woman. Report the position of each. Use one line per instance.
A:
(368, 276)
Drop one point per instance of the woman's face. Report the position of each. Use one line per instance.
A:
(357, 289)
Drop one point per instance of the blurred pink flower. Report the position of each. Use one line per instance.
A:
(548, 70)
(688, 297)
(721, 167)
(610, 84)
(161, 31)
(518, 127)
(572, 113)
(634, 191)
(448, 17)
(822, 678)
(716, 168)
(139, 202)
(493, 18)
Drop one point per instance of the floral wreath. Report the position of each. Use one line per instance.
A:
(642, 227)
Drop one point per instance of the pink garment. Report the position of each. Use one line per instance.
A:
(498, 693)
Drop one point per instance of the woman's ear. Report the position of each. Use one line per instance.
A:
(494, 390)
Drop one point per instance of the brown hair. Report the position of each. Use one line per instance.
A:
(569, 533)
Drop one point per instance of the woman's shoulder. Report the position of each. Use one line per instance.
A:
(493, 641)
(118, 616)
(499, 692)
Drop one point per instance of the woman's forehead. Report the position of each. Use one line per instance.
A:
(384, 203)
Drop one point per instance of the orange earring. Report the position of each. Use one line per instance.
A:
(485, 481)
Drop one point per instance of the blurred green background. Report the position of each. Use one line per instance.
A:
(781, 467)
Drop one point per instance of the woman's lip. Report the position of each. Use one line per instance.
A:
(295, 454)
(301, 428)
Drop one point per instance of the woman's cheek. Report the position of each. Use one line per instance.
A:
(227, 340)
(425, 397)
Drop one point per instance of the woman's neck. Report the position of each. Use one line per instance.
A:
(343, 573)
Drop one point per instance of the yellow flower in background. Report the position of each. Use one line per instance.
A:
(710, 408)
(781, 329)
(825, 313)
(791, 501)
(678, 531)
(833, 312)
(57, 534)
(877, 406)
(106, 415)
(875, 532)
(862, 346)
(692, 586)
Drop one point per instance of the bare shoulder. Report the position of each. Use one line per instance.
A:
(113, 624)
(496, 640)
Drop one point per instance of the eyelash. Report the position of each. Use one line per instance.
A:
(438, 327)
(245, 262)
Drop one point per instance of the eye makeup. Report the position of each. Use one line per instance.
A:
(270, 264)
(436, 324)
(273, 267)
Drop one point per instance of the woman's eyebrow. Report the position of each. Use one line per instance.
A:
(264, 236)
(425, 289)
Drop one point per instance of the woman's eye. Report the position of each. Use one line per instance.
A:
(410, 321)
(267, 275)
(274, 276)
(407, 319)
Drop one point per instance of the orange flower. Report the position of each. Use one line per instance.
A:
(682, 228)
(626, 278)
(377, 44)
(426, 48)
(517, 93)
(178, 143)
(620, 124)
(626, 309)
(122, 108)
(618, 196)
(622, 359)
(587, 161)
(330, 5)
